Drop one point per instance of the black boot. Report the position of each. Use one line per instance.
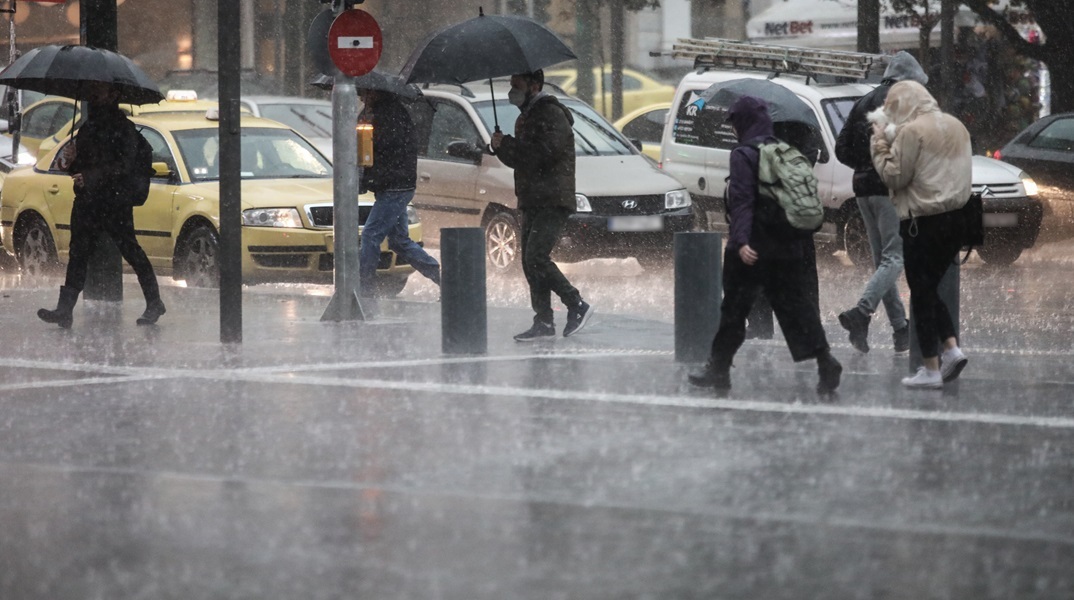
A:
(63, 315)
(829, 371)
(712, 377)
(856, 322)
(153, 310)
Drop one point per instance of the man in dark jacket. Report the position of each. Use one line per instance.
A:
(101, 159)
(541, 152)
(877, 212)
(392, 179)
(756, 261)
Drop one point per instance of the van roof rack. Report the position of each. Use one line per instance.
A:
(734, 54)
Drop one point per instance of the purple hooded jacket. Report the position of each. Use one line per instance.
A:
(750, 118)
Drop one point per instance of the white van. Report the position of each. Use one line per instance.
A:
(695, 148)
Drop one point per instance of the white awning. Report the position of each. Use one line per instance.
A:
(833, 24)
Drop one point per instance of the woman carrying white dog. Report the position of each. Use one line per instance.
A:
(924, 157)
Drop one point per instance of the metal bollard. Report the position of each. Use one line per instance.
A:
(698, 292)
(949, 294)
(463, 306)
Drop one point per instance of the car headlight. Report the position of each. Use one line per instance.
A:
(582, 203)
(412, 215)
(677, 199)
(1029, 184)
(271, 217)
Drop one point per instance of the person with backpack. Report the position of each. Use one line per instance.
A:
(108, 182)
(769, 250)
(925, 158)
(877, 213)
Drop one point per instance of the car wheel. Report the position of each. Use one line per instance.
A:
(856, 241)
(503, 242)
(999, 253)
(36, 250)
(389, 286)
(195, 258)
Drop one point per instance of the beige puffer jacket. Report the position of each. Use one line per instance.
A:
(926, 158)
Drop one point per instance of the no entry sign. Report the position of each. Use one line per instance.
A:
(354, 42)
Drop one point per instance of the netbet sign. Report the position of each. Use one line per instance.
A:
(788, 28)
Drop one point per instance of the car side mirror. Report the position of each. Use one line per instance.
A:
(637, 144)
(465, 150)
(161, 169)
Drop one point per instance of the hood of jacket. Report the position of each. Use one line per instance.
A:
(749, 115)
(904, 67)
(908, 100)
(543, 97)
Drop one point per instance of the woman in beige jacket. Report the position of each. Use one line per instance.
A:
(924, 157)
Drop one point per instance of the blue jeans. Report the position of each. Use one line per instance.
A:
(882, 226)
(388, 220)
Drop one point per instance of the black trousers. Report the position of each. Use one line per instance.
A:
(90, 218)
(930, 246)
(789, 285)
(541, 230)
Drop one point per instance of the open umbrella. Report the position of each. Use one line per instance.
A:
(65, 70)
(374, 80)
(484, 47)
(793, 119)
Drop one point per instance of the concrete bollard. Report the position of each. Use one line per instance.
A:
(463, 305)
(698, 292)
(949, 294)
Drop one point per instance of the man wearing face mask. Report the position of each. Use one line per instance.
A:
(541, 152)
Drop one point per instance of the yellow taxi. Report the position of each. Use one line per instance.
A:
(645, 126)
(287, 206)
(638, 89)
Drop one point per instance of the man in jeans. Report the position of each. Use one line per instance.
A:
(392, 178)
(878, 213)
(541, 152)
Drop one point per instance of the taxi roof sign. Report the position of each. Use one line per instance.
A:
(181, 96)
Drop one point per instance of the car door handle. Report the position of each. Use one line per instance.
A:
(55, 189)
(424, 177)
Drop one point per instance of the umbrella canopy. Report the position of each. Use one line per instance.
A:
(484, 47)
(386, 82)
(65, 70)
(792, 118)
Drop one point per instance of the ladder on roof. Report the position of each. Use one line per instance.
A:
(735, 54)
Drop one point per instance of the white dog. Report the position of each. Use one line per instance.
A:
(879, 117)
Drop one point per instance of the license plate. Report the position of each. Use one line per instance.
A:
(1001, 219)
(647, 223)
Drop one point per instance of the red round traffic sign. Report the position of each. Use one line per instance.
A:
(355, 42)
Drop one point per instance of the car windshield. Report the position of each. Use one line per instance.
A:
(593, 135)
(311, 120)
(267, 153)
(837, 110)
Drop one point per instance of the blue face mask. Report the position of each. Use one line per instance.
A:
(516, 97)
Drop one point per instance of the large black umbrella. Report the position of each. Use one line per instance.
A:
(65, 71)
(484, 47)
(374, 80)
(794, 120)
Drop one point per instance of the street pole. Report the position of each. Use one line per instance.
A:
(229, 55)
(104, 277)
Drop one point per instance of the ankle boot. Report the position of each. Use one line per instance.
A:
(153, 310)
(63, 315)
(829, 371)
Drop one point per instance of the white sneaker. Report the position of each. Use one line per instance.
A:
(951, 363)
(924, 379)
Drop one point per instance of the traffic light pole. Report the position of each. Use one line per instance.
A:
(104, 278)
(229, 59)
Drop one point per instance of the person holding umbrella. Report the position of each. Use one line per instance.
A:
(392, 178)
(101, 160)
(542, 154)
(757, 260)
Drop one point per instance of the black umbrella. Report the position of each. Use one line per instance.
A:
(65, 70)
(794, 120)
(373, 80)
(485, 47)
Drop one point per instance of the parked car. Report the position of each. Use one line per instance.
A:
(638, 88)
(287, 206)
(644, 127)
(309, 116)
(626, 206)
(1045, 150)
(696, 146)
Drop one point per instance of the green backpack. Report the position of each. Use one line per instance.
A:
(788, 206)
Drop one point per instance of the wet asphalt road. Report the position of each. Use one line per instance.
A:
(357, 461)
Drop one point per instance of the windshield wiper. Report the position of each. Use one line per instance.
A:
(310, 122)
(594, 152)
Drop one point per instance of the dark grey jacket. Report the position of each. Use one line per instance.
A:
(541, 152)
